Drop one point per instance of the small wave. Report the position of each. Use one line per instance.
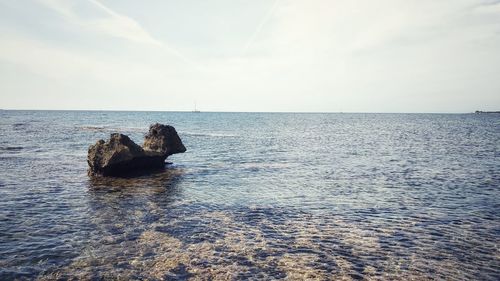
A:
(209, 134)
(11, 148)
(97, 128)
(257, 165)
(91, 128)
(20, 125)
(132, 129)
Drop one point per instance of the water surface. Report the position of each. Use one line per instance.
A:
(257, 195)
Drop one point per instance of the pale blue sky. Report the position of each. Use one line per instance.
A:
(251, 55)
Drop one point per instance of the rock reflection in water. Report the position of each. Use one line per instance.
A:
(141, 181)
(120, 210)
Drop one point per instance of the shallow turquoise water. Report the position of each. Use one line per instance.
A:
(257, 195)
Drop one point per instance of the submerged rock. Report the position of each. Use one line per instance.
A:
(120, 155)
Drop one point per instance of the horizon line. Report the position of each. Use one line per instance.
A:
(216, 111)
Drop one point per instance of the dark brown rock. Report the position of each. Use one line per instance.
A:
(120, 155)
(163, 139)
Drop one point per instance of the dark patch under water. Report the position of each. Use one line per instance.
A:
(256, 196)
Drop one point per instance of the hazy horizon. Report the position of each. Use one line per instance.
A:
(251, 56)
(212, 111)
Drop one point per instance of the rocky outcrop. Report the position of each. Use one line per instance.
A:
(163, 139)
(120, 155)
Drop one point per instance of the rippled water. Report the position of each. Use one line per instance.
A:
(257, 195)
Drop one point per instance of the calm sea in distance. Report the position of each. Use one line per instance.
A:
(256, 196)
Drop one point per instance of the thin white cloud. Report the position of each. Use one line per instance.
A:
(58, 63)
(345, 25)
(113, 24)
(70, 77)
(109, 22)
(261, 25)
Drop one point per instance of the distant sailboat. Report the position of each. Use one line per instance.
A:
(195, 109)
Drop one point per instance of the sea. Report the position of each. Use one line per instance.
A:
(256, 196)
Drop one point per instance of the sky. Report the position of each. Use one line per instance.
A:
(251, 55)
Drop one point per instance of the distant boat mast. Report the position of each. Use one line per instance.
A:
(195, 109)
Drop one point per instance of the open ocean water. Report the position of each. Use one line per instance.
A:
(256, 196)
